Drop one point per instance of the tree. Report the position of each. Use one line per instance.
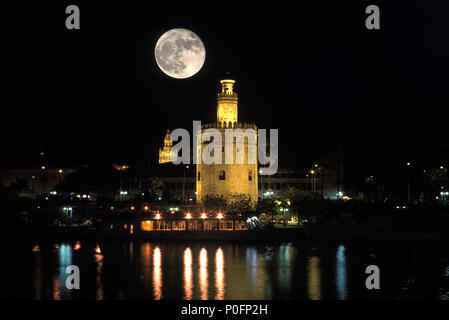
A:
(373, 188)
(214, 203)
(19, 186)
(153, 188)
(297, 199)
(240, 203)
(435, 179)
(95, 178)
(266, 206)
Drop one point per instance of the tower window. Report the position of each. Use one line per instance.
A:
(222, 175)
(199, 176)
(250, 176)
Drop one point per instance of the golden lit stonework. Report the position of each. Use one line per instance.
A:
(227, 103)
(225, 180)
(166, 153)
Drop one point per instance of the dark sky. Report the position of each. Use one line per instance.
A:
(311, 70)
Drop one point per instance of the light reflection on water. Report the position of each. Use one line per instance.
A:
(340, 271)
(188, 280)
(129, 270)
(314, 278)
(203, 274)
(99, 261)
(157, 273)
(219, 275)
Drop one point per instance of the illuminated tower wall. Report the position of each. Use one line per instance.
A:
(227, 179)
(165, 153)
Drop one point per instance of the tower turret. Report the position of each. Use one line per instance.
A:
(227, 102)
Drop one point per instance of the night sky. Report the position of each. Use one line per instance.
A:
(313, 71)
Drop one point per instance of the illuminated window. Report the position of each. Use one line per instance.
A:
(222, 175)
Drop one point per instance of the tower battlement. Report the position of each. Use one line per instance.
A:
(229, 125)
(224, 96)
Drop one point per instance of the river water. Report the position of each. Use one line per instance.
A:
(227, 270)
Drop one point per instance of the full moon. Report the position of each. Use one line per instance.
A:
(180, 53)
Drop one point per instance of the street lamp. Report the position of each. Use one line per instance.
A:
(312, 172)
(184, 183)
(408, 184)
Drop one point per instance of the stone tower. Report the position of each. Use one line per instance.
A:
(238, 177)
(165, 153)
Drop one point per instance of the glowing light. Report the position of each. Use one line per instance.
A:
(131, 229)
(36, 248)
(157, 274)
(145, 208)
(203, 274)
(188, 215)
(219, 274)
(147, 225)
(43, 167)
(203, 216)
(77, 246)
(97, 249)
(112, 208)
(408, 164)
(220, 215)
(132, 208)
(60, 170)
(158, 216)
(121, 168)
(188, 276)
(312, 171)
